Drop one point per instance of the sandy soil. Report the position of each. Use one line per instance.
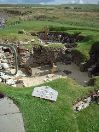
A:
(41, 75)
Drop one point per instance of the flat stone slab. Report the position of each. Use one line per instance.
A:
(45, 92)
(10, 117)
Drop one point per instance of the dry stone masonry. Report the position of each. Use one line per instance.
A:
(84, 102)
(7, 68)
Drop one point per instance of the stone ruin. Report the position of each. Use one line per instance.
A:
(42, 55)
(6, 58)
(23, 57)
(8, 66)
(61, 37)
(84, 102)
(92, 65)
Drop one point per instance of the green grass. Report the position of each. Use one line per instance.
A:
(44, 116)
(67, 18)
(11, 32)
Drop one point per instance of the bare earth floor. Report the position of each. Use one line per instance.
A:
(41, 75)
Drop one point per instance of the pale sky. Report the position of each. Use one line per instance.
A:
(50, 1)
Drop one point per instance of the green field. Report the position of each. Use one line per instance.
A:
(67, 18)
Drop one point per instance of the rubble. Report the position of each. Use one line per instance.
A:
(7, 67)
(61, 37)
(83, 103)
(4, 65)
(45, 92)
(6, 57)
(11, 82)
(2, 22)
(8, 79)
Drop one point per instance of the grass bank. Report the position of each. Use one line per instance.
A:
(44, 116)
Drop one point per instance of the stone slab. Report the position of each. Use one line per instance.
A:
(45, 92)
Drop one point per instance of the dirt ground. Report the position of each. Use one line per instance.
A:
(43, 74)
(76, 74)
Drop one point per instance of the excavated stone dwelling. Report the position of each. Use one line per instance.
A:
(43, 55)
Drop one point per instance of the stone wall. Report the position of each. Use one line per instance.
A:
(43, 55)
(77, 57)
(92, 65)
(61, 37)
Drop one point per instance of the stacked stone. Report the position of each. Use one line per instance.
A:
(4, 66)
(59, 37)
(23, 60)
(3, 61)
(23, 55)
(8, 56)
(42, 55)
(6, 63)
(83, 103)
